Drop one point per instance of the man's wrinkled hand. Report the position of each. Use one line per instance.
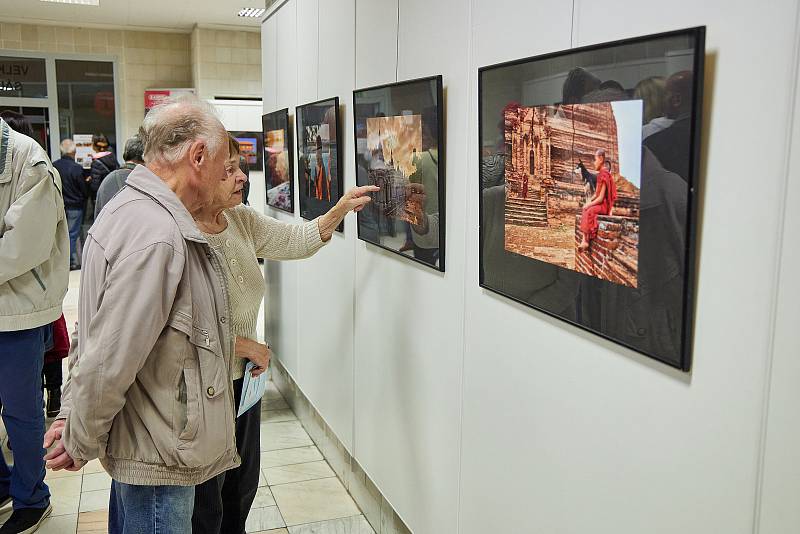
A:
(59, 458)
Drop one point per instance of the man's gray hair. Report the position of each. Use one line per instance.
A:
(169, 129)
(67, 147)
(600, 152)
(134, 149)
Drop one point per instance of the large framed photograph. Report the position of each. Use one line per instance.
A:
(251, 147)
(400, 148)
(319, 176)
(278, 160)
(588, 183)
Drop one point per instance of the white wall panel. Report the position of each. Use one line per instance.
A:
(376, 42)
(282, 303)
(781, 484)
(308, 50)
(408, 366)
(583, 436)
(326, 280)
(562, 432)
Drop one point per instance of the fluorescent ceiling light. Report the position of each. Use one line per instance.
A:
(78, 2)
(251, 11)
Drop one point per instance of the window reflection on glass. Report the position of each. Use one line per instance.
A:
(22, 77)
(86, 98)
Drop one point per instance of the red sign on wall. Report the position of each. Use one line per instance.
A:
(154, 97)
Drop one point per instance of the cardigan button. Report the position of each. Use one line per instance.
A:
(211, 391)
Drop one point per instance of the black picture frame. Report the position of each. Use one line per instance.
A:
(401, 210)
(314, 116)
(254, 157)
(655, 317)
(272, 123)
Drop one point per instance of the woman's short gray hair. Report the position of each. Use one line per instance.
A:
(170, 128)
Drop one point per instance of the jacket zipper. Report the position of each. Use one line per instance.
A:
(38, 279)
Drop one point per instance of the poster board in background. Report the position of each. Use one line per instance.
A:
(83, 149)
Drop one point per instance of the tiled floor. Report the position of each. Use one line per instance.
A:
(298, 491)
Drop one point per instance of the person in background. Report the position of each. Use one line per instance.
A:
(52, 372)
(133, 156)
(652, 92)
(18, 122)
(34, 274)
(76, 193)
(240, 235)
(104, 162)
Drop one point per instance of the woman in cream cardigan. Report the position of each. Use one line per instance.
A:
(241, 236)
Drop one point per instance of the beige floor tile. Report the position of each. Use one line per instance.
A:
(60, 524)
(273, 404)
(96, 481)
(285, 435)
(274, 531)
(263, 498)
(272, 393)
(262, 480)
(298, 472)
(348, 525)
(313, 501)
(277, 416)
(264, 519)
(54, 475)
(92, 501)
(93, 522)
(65, 495)
(94, 466)
(296, 455)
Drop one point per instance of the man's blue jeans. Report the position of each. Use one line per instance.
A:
(150, 509)
(74, 221)
(21, 360)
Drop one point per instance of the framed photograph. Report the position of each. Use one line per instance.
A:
(319, 173)
(400, 148)
(278, 160)
(251, 146)
(589, 165)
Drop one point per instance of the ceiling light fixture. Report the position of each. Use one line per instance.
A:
(76, 2)
(251, 11)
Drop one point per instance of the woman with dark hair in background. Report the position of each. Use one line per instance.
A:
(18, 123)
(103, 162)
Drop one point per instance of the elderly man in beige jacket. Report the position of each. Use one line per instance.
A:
(34, 272)
(149, 390)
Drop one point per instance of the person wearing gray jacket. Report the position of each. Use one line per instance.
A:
(149, 390)
(34, 274)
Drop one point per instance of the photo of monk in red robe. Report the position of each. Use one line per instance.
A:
(602, 203)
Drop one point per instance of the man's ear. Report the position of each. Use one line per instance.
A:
(197, 153)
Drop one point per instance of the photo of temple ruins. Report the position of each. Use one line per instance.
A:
(393, 143)
(549, 172)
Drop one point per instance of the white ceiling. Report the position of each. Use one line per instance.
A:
(179, 15)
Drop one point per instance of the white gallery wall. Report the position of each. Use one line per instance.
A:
(472, 413)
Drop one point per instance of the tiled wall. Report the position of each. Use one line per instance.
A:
(216, 62)
(145, 59)
(226, 63)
